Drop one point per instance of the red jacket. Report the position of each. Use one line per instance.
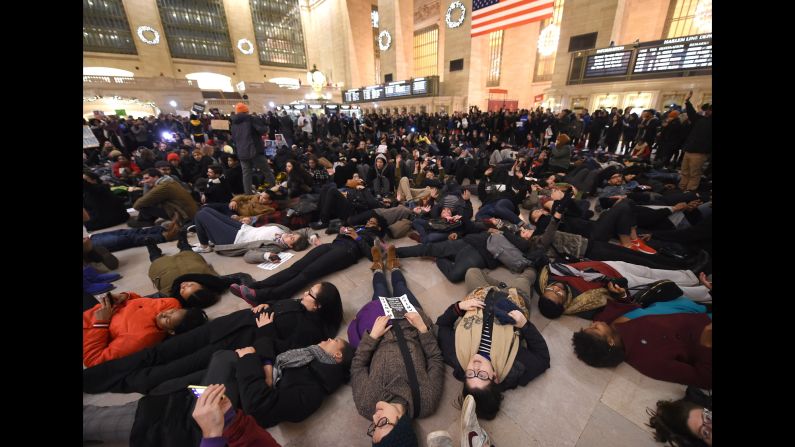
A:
(664, 347)
(133, 167)
(132, 328)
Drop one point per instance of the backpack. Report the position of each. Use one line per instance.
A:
(658, 291)
(504, 251)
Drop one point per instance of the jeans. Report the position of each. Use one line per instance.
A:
(380, 287)
(426, 235)
(463, 256)
(117, 240)
(212, 225)
(248, 167)
(502, 209)
(222, 208)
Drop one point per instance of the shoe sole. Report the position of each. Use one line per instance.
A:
(467, 414)
(110, 261)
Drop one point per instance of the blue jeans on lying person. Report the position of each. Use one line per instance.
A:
(118, 240)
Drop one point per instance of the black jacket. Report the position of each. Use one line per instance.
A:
(297, 395)
(105, 208)
(247, 133)
(218, 192)
(181, 356)
(700, 139)
(532, 359)
(234, 179)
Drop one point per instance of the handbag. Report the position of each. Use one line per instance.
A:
(443, 225)
(658, 291)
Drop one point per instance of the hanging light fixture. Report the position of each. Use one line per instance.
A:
(703, 16)
(548, 40)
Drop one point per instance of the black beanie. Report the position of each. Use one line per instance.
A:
(549, 308)
(402, 435)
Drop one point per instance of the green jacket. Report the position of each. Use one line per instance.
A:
(164, 270)
(172, 197)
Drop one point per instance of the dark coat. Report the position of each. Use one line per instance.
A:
(182, 356)
(234, 178)
(218, 192)
(297, 395)
(105, 208)
(700, 139)
(247, 133)
(532, 359)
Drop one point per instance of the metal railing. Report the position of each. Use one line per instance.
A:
(164, 83)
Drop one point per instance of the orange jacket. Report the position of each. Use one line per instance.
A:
(132, 328)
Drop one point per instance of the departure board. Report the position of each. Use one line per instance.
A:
(419, 86)
(425, 86)
(353, 95)
(683, 53)
(398, 88)
(608, 62)
(373, 92)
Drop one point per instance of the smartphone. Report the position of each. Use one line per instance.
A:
(197, 389)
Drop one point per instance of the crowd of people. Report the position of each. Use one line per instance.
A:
(619, 236)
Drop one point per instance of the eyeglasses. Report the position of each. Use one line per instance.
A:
(705, 432)
(553, 289)
(381, 422)
(309, 292)
(480, 374)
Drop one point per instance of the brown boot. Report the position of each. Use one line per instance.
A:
(173, 231)
(392, 261)
(377, 259)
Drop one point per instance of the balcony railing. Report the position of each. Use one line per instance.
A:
(125, 81)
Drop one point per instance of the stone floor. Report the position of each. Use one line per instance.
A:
(571, 404)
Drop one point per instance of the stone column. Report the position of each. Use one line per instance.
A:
(397, 17)
(156, 59)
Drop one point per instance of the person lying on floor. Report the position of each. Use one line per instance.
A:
(294, 385)
(187, 277)
(350, 245)
(670, 340)
(222, 425)
(233, 238)
(455, 257)
(584, 288)
(393, 374)
(124, 323)
(314, 316)
(493, 347)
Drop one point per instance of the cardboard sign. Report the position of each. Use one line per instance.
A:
(89, 139)
(219, 124)
(121, 112)
(198, 107)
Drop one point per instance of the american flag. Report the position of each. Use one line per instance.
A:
(494, 15)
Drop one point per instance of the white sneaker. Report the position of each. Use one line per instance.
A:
(471, 433)
(439, 438)
(201, 249)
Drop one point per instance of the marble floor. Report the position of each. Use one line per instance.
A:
(571, 404)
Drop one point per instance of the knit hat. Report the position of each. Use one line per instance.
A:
(172, 156)
(241, 108)
(549, 308)
(673, 114)
(402, 435)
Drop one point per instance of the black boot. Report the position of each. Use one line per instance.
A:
(182, 241)
(153, 249)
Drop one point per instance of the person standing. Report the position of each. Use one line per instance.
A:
(698, 146)
(247, 133)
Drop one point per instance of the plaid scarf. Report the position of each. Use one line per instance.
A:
(295, 358)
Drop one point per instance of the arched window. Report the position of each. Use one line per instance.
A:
(196, 29)
(212, 81)
(105, 27)
(688, 17)
(280, 37)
